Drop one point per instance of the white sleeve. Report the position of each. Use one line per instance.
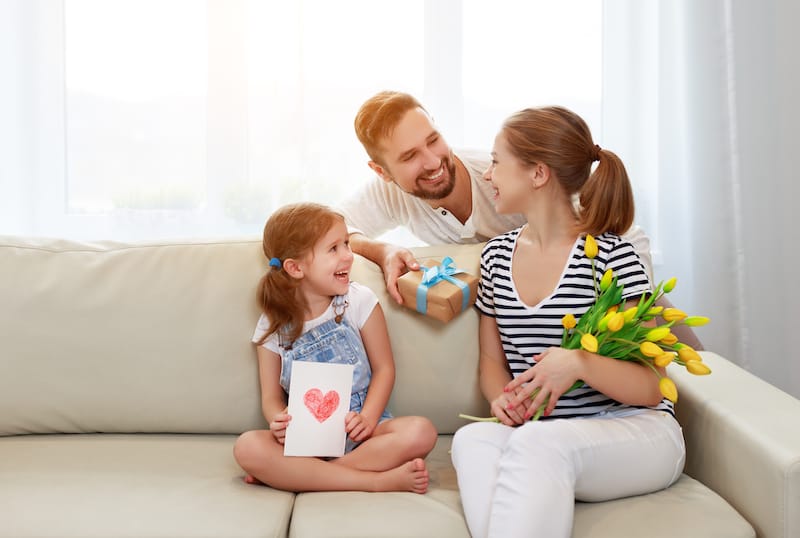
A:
(369, 210)
(271, 343)
(641, 244)
(362, 302)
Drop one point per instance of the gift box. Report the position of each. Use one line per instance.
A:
(439, 291)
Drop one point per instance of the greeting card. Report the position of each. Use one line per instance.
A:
(319, 399)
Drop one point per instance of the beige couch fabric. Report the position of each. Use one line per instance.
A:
(126, 372)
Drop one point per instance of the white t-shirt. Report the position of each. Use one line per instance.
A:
(381, 206)
(361, 302)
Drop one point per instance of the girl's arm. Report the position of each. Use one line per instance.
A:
(494, 374)
(375, 336)
(273, 397)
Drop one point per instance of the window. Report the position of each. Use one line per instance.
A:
(176, 118)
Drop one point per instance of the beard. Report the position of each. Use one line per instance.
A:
(442, 190)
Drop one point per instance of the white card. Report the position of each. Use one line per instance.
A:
(319, 399)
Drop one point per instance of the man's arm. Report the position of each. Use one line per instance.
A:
(392, 259)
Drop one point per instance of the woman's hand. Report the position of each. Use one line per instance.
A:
(278, 425)
(505, 413)
(359, 427)
(554, 373)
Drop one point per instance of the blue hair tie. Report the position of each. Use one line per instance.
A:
(275, 262)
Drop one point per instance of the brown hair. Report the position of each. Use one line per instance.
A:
(290, 232)
(378, 116)
(560, 139)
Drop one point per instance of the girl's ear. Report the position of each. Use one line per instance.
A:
(293, 268)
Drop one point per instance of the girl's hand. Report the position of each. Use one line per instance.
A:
(279, 424)
(506, 413)
(555, 371)
(358, 427)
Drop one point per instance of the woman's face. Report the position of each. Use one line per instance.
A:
(510, 177)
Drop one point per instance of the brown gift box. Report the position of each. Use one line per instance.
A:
(444, 299)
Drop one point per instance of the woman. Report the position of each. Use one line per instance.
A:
(613, 437)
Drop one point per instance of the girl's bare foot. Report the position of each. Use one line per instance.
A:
(411, 476)
(250, 479)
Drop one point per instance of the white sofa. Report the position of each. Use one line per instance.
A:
(126, 372)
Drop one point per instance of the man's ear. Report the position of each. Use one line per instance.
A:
(293, 268)
(380, 170)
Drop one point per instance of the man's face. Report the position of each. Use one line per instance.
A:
(417, 158)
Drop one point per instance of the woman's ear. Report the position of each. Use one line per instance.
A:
(539, 175)
(293, 268)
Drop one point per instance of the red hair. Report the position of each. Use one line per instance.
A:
(560, 139)
(290, 232)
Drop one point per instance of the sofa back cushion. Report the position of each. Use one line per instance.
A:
(155, 337)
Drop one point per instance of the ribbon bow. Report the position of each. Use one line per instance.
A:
(433, 275)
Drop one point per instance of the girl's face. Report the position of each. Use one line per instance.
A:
(510, 177)
(326, 270)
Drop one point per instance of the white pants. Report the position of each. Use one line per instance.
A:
(524, 481)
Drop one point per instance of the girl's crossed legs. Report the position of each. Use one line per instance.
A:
(390, 460)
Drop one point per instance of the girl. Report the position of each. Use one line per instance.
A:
(307, 298)
(613, 437)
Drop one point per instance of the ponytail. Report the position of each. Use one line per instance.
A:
(606, 198)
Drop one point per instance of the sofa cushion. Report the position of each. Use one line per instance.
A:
(113, 337)
(132, 485)
(687, 508)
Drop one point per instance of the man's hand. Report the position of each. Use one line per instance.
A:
(397, 262)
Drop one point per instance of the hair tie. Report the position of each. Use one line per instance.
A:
(275, 262)
(596, 153)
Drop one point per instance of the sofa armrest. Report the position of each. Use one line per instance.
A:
(743, 441)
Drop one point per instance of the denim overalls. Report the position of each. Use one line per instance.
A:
(335, 341)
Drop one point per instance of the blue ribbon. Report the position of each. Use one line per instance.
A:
(433, 275)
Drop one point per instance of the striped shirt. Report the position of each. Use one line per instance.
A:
(526, 331)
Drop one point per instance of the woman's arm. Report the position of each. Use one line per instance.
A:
(557, 369)
(494, 374)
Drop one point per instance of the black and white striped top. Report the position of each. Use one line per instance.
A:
(526, 331)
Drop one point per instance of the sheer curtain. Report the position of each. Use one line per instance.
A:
(700, 100)
(136, 119)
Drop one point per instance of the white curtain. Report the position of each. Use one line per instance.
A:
(700, 100)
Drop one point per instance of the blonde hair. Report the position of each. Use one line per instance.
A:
(377, 118)
(561, 139)
(290, 232)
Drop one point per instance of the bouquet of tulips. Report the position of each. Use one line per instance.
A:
(611, 330)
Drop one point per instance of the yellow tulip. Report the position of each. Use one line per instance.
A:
(654, 335)
(696, 321)
(697, 368)
(656, 310)
(568, 321)
(669, 285)
(590, 248)
(673, 314)
(612, 309)
(668, 389)
(649, 349)
(630, 314)
(602, 325)
(670, 339)
(589, 343)
(605, 282)
(616, 322)
(663, 360)
(687, 353)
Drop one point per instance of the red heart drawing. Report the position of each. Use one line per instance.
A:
(322, 407)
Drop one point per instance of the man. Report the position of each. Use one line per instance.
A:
(422, 184)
